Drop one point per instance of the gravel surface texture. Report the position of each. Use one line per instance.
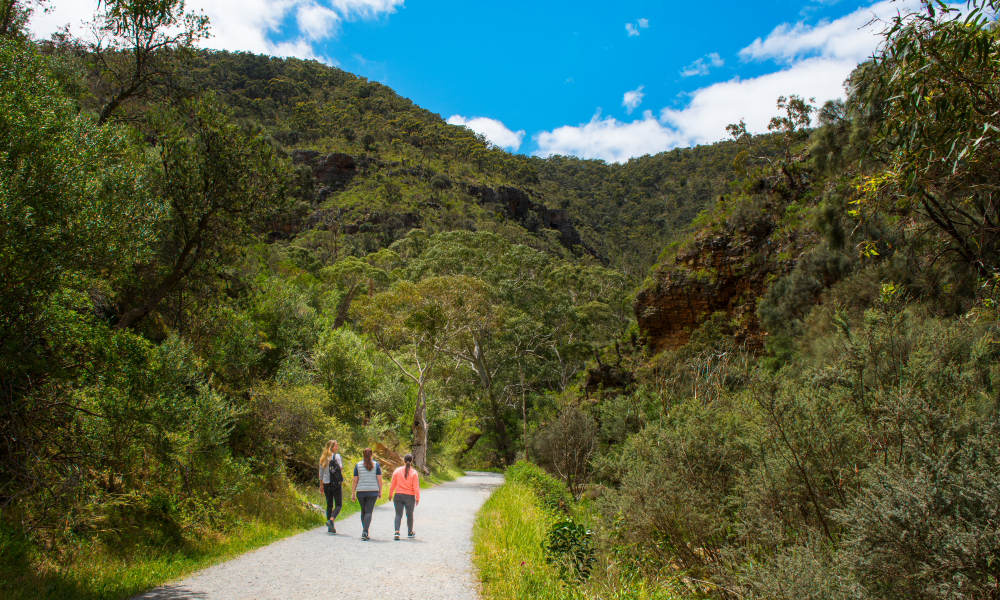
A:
(436, 565)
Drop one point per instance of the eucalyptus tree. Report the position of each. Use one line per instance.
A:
(414, 324)
(937, 86)
(136, 46)
(220, 181)
(542, 319)
(14, 15)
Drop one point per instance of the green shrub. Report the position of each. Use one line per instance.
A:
(550, 491)
(931, 529)
(565, 445)
(570, 548)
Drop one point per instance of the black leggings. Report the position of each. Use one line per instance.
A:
(334, 494)
(367, 502)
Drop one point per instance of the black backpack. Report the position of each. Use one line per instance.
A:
(336, 475)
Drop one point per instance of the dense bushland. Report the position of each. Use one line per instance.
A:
(843, 445)
(188, 312)
(181, 332)
(533, 541)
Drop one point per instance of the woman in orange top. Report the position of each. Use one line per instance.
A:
(404, 491)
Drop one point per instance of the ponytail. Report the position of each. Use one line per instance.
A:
(327, 454)
(369, 464)
(407, 459)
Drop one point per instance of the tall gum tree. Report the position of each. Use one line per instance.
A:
(136, 46)
(414, 323)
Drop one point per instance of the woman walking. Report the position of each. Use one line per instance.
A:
(331, 478)
(367, 488)
(406, 487)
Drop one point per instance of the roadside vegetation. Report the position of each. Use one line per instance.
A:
(206, 275)
(533, 540)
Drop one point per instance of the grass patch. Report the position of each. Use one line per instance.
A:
(97, 572)
(512, 528)
(440, 474)
(507, 537)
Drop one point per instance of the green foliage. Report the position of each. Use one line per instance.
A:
(929, 529)
(507, 536)
(569, 546)
(221, 183)
(551, 492)
(566, 445)
(510, 537)
(936, 84)
(74, 202)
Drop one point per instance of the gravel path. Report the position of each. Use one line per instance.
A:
(436, 565)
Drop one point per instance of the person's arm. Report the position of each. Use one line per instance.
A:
(393, 482)
(378, 477)
(354, 485)
(321, 479)
(416, 496)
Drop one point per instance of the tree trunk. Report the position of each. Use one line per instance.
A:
(6, 17)
(420, 430)
(344, 306)
(500, 428)
(524, 416)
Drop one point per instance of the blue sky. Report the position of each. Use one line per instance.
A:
(609, 80)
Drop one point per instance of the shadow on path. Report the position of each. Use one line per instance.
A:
(174, 592)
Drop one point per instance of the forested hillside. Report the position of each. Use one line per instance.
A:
(214, 262)
(814, 410)
(764, 368)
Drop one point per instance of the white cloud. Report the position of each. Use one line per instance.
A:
(316, 22)
(609, 139)
(633, 28)
(711, 108)
(812, 62)
(703, 65)
(853, 37)
(250, 25)
(493, 130)
(365, 9)
(633, 98)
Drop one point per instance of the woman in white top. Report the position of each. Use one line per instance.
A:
(367, 488)
(331, 478)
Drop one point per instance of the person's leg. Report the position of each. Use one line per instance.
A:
(410, 501)
(328, 492)
(338, 499)
(367, 508)
(397, 502)
(361, 513)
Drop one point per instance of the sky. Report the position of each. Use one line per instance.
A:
(588, 78)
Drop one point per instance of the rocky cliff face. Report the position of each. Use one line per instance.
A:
(517, 205)
(331, 172)
(328, 174)
(720, 269)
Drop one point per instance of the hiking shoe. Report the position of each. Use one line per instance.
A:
(329, 526)
(411, 534)
(364, 537)
(395, 536)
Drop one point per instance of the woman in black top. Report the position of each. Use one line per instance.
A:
(331, 477)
